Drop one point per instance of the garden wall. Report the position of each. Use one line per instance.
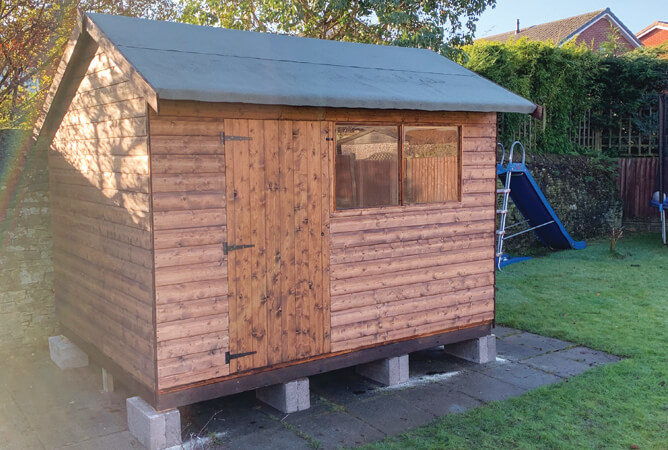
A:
(583, 192)
(27, 315)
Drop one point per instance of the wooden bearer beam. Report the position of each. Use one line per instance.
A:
(245, 381)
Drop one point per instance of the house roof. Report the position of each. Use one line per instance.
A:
(561, 31)
(176, 61)
(657, 24)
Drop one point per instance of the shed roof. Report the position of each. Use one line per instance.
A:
(189, 62)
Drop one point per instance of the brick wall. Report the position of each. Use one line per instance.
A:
(599, 32)
(27, 315)
(655, 37)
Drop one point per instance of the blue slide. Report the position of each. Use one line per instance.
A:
(533, 205)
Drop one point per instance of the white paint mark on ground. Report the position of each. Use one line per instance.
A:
(200, 442)
(420, 381)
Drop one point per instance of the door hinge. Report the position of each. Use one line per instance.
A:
(228, 248)
(224, 138)
(230, 356)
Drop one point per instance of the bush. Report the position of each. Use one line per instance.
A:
(569, 81)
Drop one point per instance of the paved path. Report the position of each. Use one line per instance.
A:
(42, 407)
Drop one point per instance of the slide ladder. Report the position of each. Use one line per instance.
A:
(520, 187)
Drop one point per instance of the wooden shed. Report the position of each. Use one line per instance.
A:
(234, 209)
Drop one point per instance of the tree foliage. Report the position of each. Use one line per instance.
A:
(436, 24)
(32, 37)
(27, 45)
(569, 81)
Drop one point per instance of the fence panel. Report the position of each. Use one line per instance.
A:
(636, 185)
(433, 179)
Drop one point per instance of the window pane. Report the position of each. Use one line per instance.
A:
(366, 166)
(431, 163)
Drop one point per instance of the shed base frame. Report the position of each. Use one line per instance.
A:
(247, 381)
(253, 380)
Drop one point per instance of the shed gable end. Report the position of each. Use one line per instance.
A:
(100, 203)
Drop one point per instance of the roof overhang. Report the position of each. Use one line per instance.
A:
(174, 61)
(80, 50)
(649, 29)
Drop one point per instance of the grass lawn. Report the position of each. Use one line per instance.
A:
(618, 304)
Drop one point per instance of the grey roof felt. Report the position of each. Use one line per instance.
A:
(188, 62)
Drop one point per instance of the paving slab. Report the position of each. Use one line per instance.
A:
(520, 346)
(117, 441)
(390, 413)
(228, 417)
(42, 407)
(588, 356)
(543, 343)
(335, 429)
(522, 375)
(73, 425)
(15, 431)
(485, 388)
(438, 400)
(276, 439)
(557, 364)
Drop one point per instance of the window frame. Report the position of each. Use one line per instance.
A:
(401, 169)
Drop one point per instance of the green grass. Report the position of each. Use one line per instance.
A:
(615, 303)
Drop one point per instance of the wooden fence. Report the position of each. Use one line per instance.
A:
(630, 137)
(432, 179)
(366, 183)
(636, 185)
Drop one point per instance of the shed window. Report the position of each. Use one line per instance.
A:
(431, 164)
(367, 171)
(367, 166)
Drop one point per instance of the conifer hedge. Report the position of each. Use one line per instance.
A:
(570, 80)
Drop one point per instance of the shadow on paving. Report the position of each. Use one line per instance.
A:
(43, 407)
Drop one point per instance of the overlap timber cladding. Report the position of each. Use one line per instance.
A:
(188, 167)
(408, 271)
(395, 272)
(100, 200)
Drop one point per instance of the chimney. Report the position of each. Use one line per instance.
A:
(517, 29)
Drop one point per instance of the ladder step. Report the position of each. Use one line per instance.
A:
(503, 191)
(502, 211)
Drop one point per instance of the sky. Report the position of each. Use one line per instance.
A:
(635, 14)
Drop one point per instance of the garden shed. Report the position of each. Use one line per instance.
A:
(233, 209)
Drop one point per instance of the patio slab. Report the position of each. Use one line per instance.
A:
(42, 407)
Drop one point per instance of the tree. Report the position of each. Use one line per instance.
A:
(436, 24)
(32, 36)
(27, 40)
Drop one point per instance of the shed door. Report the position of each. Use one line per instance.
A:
(278, 197)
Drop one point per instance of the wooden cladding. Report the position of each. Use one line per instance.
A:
(187, 257)
(405, 271)
(278, 218)
(101, 209)
(267, 194)
(189, 220)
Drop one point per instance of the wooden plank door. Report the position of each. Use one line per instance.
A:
(278, 197)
